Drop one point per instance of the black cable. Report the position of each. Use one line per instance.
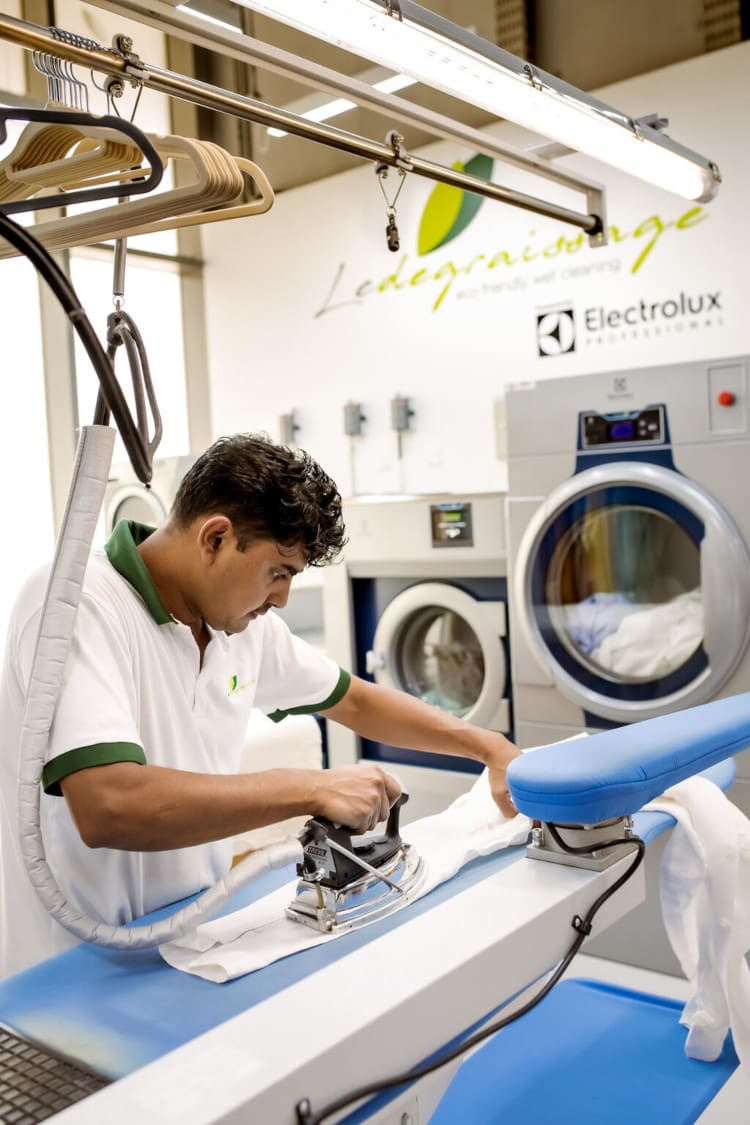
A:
(60, 285)
(304, 1111)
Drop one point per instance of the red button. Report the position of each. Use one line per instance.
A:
(725, 398)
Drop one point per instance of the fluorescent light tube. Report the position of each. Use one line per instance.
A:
(224, 24)
(337, 106)
(441, 55)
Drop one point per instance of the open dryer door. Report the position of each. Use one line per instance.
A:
(438, 643)
(632, 586)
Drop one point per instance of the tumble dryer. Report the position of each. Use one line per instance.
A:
(419, 603)
(628, 532)
(127, 499)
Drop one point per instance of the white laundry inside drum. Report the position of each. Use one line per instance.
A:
(446, 647)
(441, 660)
(624, 592)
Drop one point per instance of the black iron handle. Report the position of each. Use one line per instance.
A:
(392, 827)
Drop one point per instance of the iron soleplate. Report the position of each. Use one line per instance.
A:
(366, 899)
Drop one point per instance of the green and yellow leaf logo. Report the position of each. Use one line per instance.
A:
(449, 210)
(235, 687)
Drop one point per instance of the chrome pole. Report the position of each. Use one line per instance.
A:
(245, 48)
(130, 68)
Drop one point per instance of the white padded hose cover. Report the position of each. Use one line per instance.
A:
(90, 474)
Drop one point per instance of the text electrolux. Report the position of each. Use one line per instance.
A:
(641, 312)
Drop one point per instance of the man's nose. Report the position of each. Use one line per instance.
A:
(279, 597)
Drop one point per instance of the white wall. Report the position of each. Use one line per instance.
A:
(302, 314)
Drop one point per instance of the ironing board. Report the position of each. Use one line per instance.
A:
(370, 1004)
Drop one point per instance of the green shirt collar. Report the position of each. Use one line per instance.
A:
(122, 551)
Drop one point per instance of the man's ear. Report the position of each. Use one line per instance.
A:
(213, 535)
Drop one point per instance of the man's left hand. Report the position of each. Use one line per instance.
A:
(497, 765)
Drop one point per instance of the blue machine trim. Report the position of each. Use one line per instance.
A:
(598, 722)
(379, 752)
(622, 494)
(586, 459)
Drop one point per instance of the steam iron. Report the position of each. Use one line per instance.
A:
(348, 880)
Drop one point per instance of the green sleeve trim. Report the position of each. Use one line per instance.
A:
(342, 687)
(100, 754)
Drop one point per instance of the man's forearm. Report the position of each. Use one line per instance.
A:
(150, 808)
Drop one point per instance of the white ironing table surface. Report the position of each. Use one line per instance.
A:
(369, 1004)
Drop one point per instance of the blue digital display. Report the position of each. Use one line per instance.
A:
(621, 431)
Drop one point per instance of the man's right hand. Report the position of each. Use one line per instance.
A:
(358, 796)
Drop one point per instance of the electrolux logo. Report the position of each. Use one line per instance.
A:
(560, 329)
(556, 331)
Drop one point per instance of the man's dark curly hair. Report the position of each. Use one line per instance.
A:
(268, 491)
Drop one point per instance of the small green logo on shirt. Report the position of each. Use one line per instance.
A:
(235, 687)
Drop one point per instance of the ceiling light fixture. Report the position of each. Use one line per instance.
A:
(410, 39)
(336, 106)
(208, 17)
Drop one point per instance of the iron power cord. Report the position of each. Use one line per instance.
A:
(60, 285)
(307, 1116)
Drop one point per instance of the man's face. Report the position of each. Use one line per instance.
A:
(243, 585)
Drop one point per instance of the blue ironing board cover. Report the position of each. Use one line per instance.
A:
(615, 773)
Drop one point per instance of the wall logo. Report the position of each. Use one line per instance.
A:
(556, 331)
(449, 210)
(561, 328)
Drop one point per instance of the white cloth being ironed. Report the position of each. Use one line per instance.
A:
(705, 894)
(261, 933)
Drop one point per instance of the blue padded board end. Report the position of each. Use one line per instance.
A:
(589, 1052)
(616, 772)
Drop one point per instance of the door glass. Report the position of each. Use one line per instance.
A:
(623, 591)
(439, 659)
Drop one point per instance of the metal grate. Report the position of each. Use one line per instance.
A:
(722, 23)
(512, 31)
(36, 1083)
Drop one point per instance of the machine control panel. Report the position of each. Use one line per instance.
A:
(451, 525)
(630, 426)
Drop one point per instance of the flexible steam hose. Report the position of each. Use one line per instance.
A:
(63, 594)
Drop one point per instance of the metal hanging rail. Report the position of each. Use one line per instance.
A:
(235, 44)
(130, 67)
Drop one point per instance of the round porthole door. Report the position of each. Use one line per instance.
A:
(445, 647)
(633, 591)
(134, 502)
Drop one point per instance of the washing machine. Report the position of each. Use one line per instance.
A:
(628, 533)
(126, 498)
(419, 603)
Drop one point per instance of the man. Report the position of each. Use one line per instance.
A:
(173, 646)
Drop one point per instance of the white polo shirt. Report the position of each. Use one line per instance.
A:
(134, 690)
